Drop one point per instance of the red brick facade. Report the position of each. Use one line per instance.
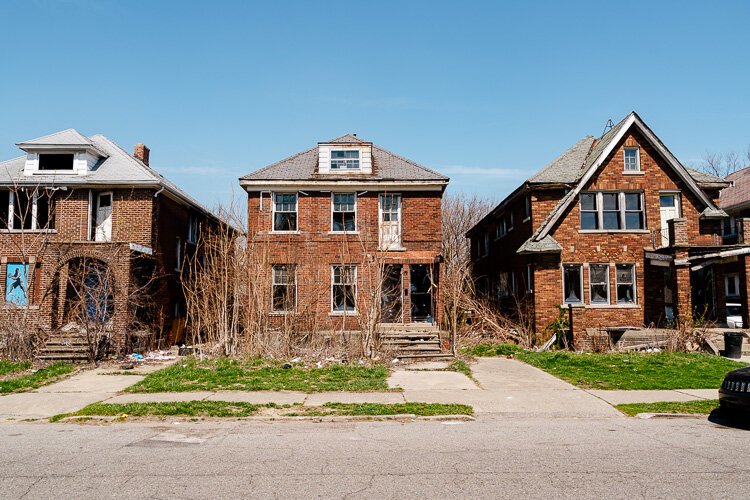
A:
(692, 237)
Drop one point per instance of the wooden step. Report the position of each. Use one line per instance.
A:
(442, 356)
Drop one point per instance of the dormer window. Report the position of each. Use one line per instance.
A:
(345, 159)
(56, 161)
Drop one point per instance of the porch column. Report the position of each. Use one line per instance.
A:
(406, 283)
(683, 290)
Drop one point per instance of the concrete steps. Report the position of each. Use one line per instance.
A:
(412, 340)
(65, 348)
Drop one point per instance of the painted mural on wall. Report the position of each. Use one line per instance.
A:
(16, 283)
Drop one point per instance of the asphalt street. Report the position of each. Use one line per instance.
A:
(493, 457)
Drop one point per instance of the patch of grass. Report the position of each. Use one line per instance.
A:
(461, 366)
(261, 375)
(7, 367)
(484, 350)
(37, 379)
(634, 370)
(421, 409)
(178, 408)
(702, 407)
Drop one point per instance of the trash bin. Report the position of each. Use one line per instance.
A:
(732, 345)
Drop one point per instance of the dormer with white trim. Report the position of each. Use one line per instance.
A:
(346, 155)
(63, 153)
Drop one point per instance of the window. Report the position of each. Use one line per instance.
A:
(344, 289)
(285, 211)
(344, 212)
(612, 211)
(17, 283)
(625, 275)
(192, 234)
(56, 161)
(483, 244)
(527, 208)
(728, 227)
(572, 284)
(284, 287)
(732, 285)
(178, 255)
(632, 160)
(529, 278)
(33, 211)
(504, 225)
(503, 285)
(599, 283)
(345, 160)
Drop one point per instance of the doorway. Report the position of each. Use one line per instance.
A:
(103, 217)
(392, 295)
(669, 208)
(420, 292)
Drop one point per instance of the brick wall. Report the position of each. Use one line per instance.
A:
(314, 250)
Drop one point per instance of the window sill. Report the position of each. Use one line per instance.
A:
(633, 172)
(614, 231)
(527, 219)
(344, 232)
(394, 249)
(17, 307)
(342, 314)
(281, 313)
(55, 172)
(613, 306)
(35, 231)
(284, 232)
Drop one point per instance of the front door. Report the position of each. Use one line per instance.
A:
(391, 295)
(420, 292)
(390, 221)
(103, 217)
(669, 204)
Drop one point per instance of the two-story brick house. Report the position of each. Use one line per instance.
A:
(72, 202)
(617, 228)
(339, 218)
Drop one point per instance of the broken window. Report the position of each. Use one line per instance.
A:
(285, 211)
(572, 284)
(56, 161)
(599, 283)
(284, 287)
(344, 212)
(625, 275)
(344, 289)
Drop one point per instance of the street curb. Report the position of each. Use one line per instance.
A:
(647, 416)
(406, 417)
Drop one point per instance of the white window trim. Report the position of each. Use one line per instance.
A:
(580, 283)
(343, 312)
(273, 211)
(637, 159)
(12, 213)
(67, 171)
(736, 278)
(620, 209)
(274, 284)
(607, 283)
(634, 284)
(356, 222)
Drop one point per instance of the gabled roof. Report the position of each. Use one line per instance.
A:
(116, 167)
(737, 195)
(387, 166)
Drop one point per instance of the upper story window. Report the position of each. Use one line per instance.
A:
(285, 211)
(56, 161)
(483, 245)
(527, 208)
(192, 233)
(632, 159)
(504, 225)
(26, 210)
(344, 159)
(344, 212)
(621, 211)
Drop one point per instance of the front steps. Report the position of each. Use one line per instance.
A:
(412, 340)
(65, 346)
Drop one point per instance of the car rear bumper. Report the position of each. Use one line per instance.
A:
(730, 400)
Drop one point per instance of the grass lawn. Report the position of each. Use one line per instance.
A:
(703, 407)
(39, 378)
(261, 375)
(232, 409)
(7, 367)
(665, 370)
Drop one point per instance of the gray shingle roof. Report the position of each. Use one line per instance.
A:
(117, 168)
(566, 167)
(386, 166)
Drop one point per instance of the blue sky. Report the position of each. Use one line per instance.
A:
(486, 92)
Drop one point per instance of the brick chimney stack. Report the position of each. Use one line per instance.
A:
(142, 152)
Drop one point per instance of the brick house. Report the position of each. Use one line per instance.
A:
(347, 223)
(620, 230)
(71, 203)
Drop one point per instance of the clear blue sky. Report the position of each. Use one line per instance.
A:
(486, 92)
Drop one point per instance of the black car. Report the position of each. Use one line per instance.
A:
(734, 394)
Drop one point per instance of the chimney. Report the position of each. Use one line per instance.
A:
(678, 234)
(141, 152)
